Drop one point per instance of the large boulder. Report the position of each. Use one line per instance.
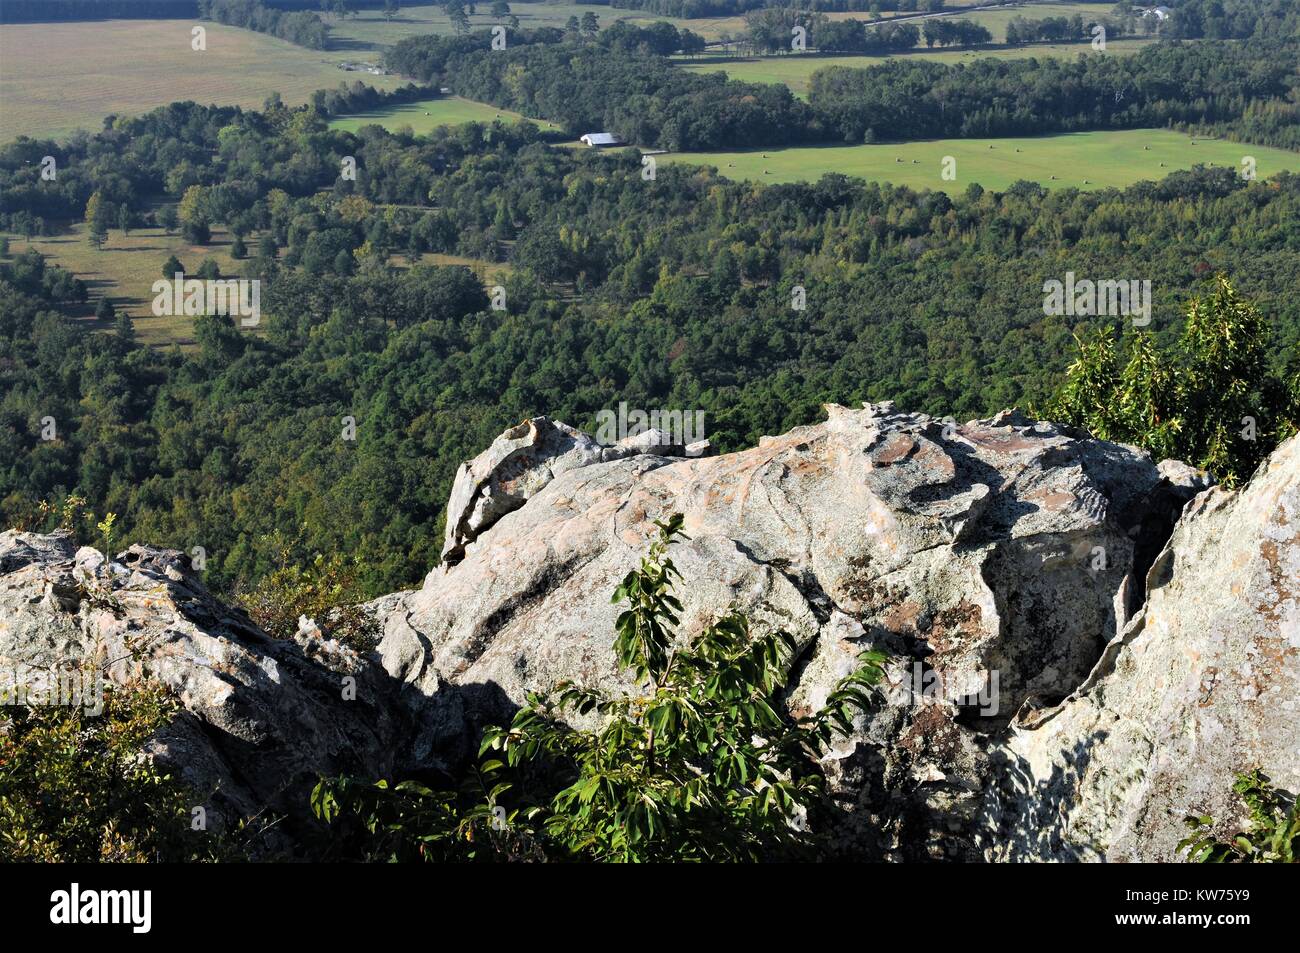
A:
(523, 460)
(1202, 684)
(261, 718)
(992, 560)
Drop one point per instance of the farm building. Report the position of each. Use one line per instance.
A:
(600, 140)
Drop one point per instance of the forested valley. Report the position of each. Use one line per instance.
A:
(674, 291)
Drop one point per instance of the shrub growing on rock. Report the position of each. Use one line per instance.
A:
(698, 762)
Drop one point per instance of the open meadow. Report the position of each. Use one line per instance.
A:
(125, 270)
(126, 267)
(1082, 160)
(428, 114)
(57, 77)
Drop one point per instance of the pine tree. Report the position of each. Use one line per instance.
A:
(97, 220)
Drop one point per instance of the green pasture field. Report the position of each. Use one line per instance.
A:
(795, 69)
(1085, 160)
(125, 270)
(425, 115)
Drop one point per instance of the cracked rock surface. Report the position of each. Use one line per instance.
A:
(261, 717)
(995, 560)
(1202, 684)
(1084, 646)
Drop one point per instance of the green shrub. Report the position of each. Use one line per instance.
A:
(75, 787)
(1272, 833)
(1214, 402)
(700, 762)
(325, 590)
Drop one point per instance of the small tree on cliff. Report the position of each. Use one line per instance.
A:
(699, 762)
(1215, 402)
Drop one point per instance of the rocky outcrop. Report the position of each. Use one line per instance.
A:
(1084, 645)
(992, 560)
(1202, 684)
(261, 717)
(522, 461)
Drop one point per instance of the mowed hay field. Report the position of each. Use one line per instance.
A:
(56, 77)
(125, 270)
(428, 114)
(1080, 160)
(795, 70)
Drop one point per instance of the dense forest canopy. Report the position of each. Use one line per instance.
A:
(672, 292)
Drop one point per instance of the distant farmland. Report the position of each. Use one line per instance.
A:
(370, 32)
(56, 77)
(1078, 159)
(795, 70)
(431, 113)
(125, 269)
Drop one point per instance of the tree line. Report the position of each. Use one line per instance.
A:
(691, 9)
(1161, 85)
(1241, 90)
(301, 27)
(1075, 29)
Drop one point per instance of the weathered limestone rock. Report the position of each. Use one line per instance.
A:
(1203, 683)
(518, 465)
(262, 717)
(523, 460)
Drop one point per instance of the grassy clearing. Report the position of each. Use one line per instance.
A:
(488, 272)
(795, 70)
(56, 77)
(428, 114)
(996, 20)
(126, 268)
(1085, 160)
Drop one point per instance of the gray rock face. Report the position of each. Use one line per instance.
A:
(502, 478)
(522, 461)
(994, 560)
(262, 717)
(1067, 679)
(1203, 683)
